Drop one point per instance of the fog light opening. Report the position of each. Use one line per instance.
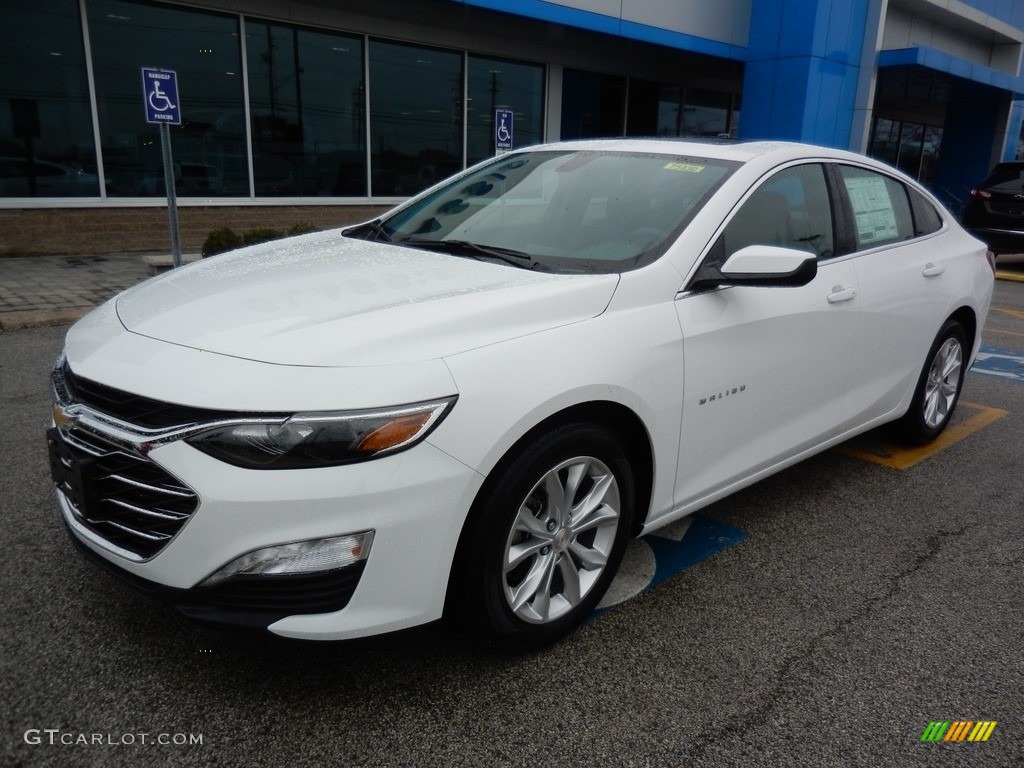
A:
(300, 557)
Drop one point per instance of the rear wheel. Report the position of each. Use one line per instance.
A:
(547, 537)
(938, 387)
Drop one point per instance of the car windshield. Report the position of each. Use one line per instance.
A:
(560, 211)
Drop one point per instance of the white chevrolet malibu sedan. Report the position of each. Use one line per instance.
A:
(468, 406)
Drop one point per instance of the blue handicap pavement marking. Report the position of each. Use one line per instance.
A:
(670, 550)
(999, 362)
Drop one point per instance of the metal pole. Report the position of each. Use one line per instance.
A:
(172, 197)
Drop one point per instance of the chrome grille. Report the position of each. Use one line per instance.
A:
(122, 497)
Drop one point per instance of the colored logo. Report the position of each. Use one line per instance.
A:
(958, 730)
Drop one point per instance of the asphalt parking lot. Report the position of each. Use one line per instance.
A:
(866, 600)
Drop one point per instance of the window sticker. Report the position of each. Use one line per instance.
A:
(688, 167)
(872, 208)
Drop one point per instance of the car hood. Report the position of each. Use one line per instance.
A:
(328, 300)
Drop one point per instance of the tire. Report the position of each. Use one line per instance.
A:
(531, 570)
(938, 387)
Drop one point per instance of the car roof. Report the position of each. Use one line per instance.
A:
(717, 149)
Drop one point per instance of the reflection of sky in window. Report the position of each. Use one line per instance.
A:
(415, 98)
(328, 85)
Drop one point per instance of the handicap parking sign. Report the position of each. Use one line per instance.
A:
(160, 94)
(502, 129)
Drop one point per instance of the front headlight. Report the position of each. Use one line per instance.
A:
(308, 440)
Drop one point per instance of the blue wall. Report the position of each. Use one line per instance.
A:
(803, 64)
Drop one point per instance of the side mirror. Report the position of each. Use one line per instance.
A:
(769, 266)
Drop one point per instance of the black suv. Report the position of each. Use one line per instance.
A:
(995, 212)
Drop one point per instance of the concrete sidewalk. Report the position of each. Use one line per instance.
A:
(54, 290)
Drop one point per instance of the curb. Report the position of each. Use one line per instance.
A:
(1016, 277)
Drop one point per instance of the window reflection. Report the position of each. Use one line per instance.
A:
(209, 147)
(663, 109)
(46, 139)
(306, 104)
(911, 147)
(308, 119)
(502, 84)
(911, 139)
(415, 116)
(593, 105)
(705, 113)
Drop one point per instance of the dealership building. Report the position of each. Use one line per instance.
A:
(323, 112)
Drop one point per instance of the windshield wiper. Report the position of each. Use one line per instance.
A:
(371, 230)
(474, 251)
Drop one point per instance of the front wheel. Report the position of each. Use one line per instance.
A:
(938, 388)
(547, 537)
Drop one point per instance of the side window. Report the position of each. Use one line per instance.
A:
(881, 209)
(926, 218)
(791, 209)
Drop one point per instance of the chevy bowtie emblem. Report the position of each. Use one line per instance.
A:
(63, 420)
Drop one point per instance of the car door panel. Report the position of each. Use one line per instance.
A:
(765, 376)
(765, 368)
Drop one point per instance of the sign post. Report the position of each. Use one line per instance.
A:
(160, 95)
(502, 130)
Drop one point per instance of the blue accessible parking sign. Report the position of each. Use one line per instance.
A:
(160, 94)
(502, 129)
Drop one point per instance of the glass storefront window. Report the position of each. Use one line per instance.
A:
(885, 140)
(911, 147)
(663, 109)
(415, 117)
(705, 113)
(911, 139)
(502, 84)
(210, 155)
(46, 132)
(930, 154)
(307, 108)
(593, 105)
(653, 109)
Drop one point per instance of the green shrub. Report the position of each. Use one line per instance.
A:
(301, 228)
(261, 235)
(221, 240)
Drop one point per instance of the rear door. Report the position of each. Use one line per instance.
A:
(903, 272)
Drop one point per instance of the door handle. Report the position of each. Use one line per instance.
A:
(932, 270)
(840, 294)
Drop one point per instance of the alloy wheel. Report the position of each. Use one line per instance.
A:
(943, 383)
(561, 539)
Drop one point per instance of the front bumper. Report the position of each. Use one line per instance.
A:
(253, 602)
(415, 502)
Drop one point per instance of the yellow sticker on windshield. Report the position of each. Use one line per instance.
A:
(688, 167)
